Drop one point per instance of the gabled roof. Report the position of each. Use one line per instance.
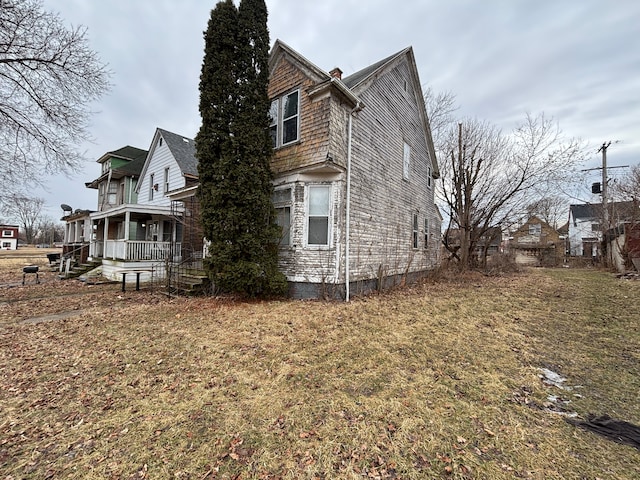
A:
(183, 150)
(127, 153)
(135, 157)
(621, 210)
(360, 76)
(586, 210)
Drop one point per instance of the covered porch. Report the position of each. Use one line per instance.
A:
(134, 232)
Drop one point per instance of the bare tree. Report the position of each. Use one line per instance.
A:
(49, 231)
(440, 109)
(26, 211)
(551, 209)
(487, 177)
(628, 187)
(48, 79)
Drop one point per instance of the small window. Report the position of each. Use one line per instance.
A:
(285, 119)
(318, 215)
(595, 227)
(429, 177)
(166, 180)
(406, 161)
(282, 205)
(112, 193)
(6, 244)
(7, 233)
(426, 233)
(415, 231)
(151, 187)
(535, 229)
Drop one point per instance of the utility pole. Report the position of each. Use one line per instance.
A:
(604, 187)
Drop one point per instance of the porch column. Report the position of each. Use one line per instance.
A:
(127, 219)
(105, 236)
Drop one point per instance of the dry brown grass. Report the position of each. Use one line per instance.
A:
(436, 381)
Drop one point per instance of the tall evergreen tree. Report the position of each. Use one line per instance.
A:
(234, 151)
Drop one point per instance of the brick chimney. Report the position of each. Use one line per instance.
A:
(337, 73)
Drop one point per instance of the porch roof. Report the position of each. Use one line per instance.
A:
(136, 208)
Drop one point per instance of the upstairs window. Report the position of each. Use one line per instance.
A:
(151, 186)
(285, 119)
(429, 177)
(318, 215)
(166, 180)
(406, 161)
(535, 229)
(112, 192)
(415, 231)
(282, 205)
(7, 233)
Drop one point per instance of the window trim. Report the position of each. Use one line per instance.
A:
(414, 231)
(166, 179)
(406, 161)
(151, 175)
(7, 233)
(280, 120)
(281, 205)
(426, 233)
(329, 216)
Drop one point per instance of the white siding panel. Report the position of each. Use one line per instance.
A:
(161, 159)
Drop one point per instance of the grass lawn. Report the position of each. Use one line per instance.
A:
(438, 381)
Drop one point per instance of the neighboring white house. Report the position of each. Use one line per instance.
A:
(586, 225)
(585, 230)
(9, 237)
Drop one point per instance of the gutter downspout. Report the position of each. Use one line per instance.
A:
(347, 267)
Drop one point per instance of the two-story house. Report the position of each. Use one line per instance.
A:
(586, 225)
(537, 243)
(9, 237)
(354, 167)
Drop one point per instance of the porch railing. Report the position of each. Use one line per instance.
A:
(140, 250)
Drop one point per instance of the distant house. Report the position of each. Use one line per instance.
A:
(9, 237)
(537, 243)
(136, 226)
(115, 185)
(586, 225)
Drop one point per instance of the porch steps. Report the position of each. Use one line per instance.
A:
(80, 269)
(190, 283)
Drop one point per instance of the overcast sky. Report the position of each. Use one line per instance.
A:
(575, 60)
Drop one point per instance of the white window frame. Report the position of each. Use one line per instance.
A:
(406, 161)
(151, 177)
(277, 108)
(166, 180)
(7, 233)
(535, 229)
(284, 204)
(112, 192)
(426, 233)
(329, 215)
